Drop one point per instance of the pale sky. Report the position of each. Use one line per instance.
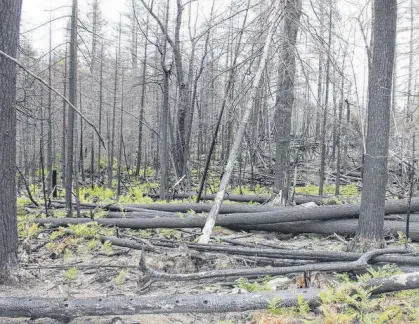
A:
(36, 12)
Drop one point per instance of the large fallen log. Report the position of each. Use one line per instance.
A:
(111, 207)
(341, 227)
(182, 208)
(204, 208)
(144, 214)
(298, 199)
(240, 219)
(66, 308)
(401, 217)
(293, 214)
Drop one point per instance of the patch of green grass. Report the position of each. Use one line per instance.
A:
(103, 194)
(348, 193)
(351, 301)
(71, 274)
(107, 247)
(121, 277)
(92, 244)
(68, 255)
(85, 230)
(301, 309)
(23, 201)
(28, 230)
(243, 283)
(135, 195)
(169, 233)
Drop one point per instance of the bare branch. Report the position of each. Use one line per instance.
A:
(56, 91)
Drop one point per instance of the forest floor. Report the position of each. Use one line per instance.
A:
(55, 264)
(96, 282)
(52, 280)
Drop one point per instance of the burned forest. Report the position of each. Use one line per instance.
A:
(208, 161)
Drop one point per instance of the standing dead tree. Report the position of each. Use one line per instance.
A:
(72, 94)
(285, 98)
(9, 39)
(370, 232)
(207, 230)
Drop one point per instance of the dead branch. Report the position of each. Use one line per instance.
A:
(360, 264)
(57, 92)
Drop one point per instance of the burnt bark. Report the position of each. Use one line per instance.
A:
(299, 200)
(285, 99)
(342, 227)
(370, 232)
(10, 11)
(64, 308)
(72, 96)
(287, 220)
(182, 208)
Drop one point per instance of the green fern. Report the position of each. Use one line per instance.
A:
(71, 274)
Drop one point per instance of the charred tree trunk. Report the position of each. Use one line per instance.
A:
(285, 99)
(142, 99)
(9, 39)
(164, 153)
(72, 96)
(370, 232)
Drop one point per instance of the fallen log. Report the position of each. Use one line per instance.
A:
(153, 214)
(341, 227)
(298, 199)
(111, 207)
(293, 214)
(348, 177)
(401, 217)
(66, 308)
(362, 263)
(394, 283)
(355, 174)
(244, 219)
(182, 208)
(144, 214)
(290, 254)
(205, 208)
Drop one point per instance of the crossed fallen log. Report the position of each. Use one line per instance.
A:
(339, 219)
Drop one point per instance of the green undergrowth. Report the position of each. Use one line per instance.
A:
(348, 193)
(79, 240)
(71, 274)
(348, 301)
(134, 195)
(255, 286)
(137, 192)
(74, 240)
